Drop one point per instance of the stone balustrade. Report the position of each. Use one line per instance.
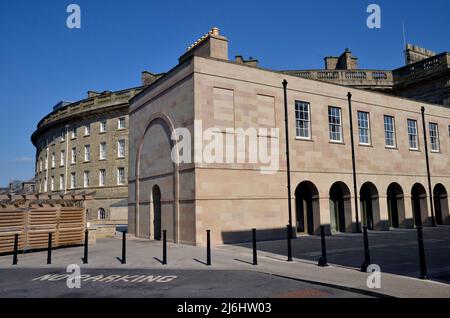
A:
(358, 78)
(435, 64)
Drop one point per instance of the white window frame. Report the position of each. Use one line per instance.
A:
(386, 131)
(362, 129)
(61, 182)
(411, 134)
(101, 177)
(120, 149)
(120, 121)
(73, 180)
(434, 137)
(52, 183)
(45, 184)
(62, 160)
(73, 156)
(302, 120)
(87, 130)
(103, 151)
(86, 179)
(103, 127)
(87, 153)
(333, 124)
(73, 133)
(53, 160)
(120, 176)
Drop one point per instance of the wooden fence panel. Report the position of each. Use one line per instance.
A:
(12, 221)
(34, 225)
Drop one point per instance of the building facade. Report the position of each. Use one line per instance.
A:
(210, 98)
(82, 148)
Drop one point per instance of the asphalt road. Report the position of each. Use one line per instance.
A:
(395, 251)
(50, 283)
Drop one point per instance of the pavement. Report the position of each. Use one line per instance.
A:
(161, 283)
(395, 251)
(231, 273)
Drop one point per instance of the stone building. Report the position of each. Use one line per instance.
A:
(425, 76)
(82, 148)
(206, 91)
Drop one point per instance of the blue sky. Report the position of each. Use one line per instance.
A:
(43, 62)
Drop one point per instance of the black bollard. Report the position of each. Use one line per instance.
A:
(208, 247)
(366, 262)
(323, 260)
(124, 247)
(16, 248)
(49, 249)
(255, 255)
(289, 245)
(423, 263)
(164, 247)
(86, 246)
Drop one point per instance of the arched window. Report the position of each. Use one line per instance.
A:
(101, 214)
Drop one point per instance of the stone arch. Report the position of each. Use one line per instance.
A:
(307, 208)
(370, 206)
(396, 206)
(441, 208)
(167, 125)
(340, 208)
(419, 204)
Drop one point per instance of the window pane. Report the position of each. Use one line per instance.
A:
(302, 119)
(412, 134)
(334, 121)
(363, 126)
(434, 136)
(389, 131)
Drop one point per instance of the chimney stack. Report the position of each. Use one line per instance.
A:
(211, 45)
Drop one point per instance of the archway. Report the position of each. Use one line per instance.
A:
(101, 214)
(154, 164)
(419, 204)
(340, 207)
(440, 203)
(307, 208)
(396, 205)
(370, 207)
(156, 209)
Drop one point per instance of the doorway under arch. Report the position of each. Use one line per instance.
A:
(370, 207)
(440, 204)
(396, 205)
(307, 208)
(101, 214)
(340, 207)
(156, 207)
(419, 204)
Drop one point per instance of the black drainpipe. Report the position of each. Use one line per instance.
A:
(433, 221)
(355, 187)
(287, 153)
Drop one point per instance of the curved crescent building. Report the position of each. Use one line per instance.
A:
(82, 148)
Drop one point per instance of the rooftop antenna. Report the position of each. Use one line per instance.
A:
(404, 34)
(404, 43)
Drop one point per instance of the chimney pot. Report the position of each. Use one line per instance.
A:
(215, 31)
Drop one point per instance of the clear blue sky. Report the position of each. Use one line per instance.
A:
(43, 62)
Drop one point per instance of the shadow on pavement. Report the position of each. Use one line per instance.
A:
(395, 251)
